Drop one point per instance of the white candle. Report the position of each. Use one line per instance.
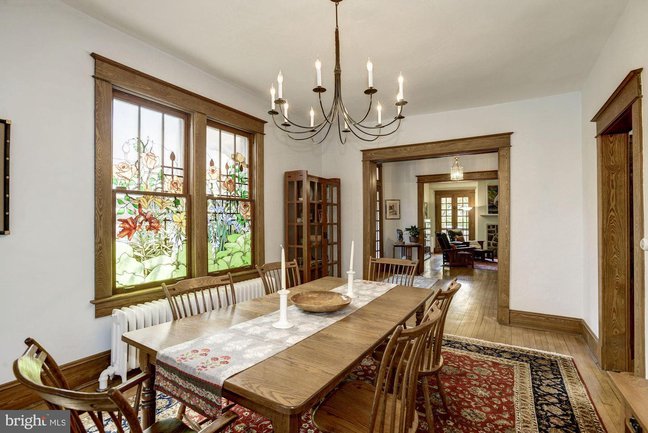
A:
(400, 87)
(312, 117)
(351, 259)
(272, 96)
(280, 82)
(286, 105)
(379, 108)
(318, 69)
(370, 73)
(283, 268)
(345, 125)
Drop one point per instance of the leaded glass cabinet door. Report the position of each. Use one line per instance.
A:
(315, 229)
(332, 227)
(295, 198)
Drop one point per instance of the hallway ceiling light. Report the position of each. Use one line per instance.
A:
(456, 171)
(337, 113)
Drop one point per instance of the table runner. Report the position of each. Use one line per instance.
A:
(194, 372)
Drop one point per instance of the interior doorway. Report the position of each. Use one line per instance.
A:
(498, 143)
(620, 198)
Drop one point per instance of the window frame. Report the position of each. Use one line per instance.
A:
(112, 78)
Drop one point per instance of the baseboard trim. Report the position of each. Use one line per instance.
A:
(592, 341)
(79, 374)
(545, 322)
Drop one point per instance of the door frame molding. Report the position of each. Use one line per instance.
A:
(495, 143)
(626, 97)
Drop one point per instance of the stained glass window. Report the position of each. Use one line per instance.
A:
(229, 205)
(149, 193)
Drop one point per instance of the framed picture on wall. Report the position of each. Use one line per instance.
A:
(493, 199)
(392, 209)
(5, 129)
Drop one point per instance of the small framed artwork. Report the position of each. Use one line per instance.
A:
(392, 209)
(493, 199)
(5, 133)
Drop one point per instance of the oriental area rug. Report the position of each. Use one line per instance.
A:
(490, 388)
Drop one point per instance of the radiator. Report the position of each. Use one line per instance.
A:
(123, 357)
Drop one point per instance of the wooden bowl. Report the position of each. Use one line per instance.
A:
(320, 301)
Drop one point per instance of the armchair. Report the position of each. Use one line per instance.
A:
(455, 255)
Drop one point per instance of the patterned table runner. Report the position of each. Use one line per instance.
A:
(194, 372)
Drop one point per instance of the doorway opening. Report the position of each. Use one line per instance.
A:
(620, 198)
(391, 208)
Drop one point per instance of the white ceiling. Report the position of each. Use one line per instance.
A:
(453, 53)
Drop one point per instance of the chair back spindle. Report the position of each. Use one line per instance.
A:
(199, 295)
(270, 274)
(442, 301)
(395, 271)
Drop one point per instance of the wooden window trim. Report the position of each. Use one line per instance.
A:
(111, 76)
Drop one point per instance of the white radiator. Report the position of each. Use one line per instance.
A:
(124, 358)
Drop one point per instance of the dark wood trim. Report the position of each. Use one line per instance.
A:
(500, 143)
(258, 153)
(621, 113)
(546, 322)
(79, 374)
(436, 149)
(197, 156)
(138, 82)
(445, 177)
(5, 174)
(621, 99)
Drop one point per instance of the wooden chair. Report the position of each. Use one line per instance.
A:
(36, 370)
(270, 274)
(396, 271)
(198, 295)
(388, 406)
(432, 357)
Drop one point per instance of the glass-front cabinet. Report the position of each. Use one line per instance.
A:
(312, 224)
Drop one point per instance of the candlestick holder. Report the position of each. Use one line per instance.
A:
(350, 275)
(283, 322)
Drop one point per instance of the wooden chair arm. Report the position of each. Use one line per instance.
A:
(133, 381)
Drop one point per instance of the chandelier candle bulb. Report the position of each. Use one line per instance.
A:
(318, 69)
(312, 117)
(280, 83)
(379, 109)
(370, 73)
(272, 96)
(400, 87)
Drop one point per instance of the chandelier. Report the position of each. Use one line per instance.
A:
(456, 171)
(337, 115)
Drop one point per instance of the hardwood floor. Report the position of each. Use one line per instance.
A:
(473, 313)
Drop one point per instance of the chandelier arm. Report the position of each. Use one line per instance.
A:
(364, 128)
(360, 131)
(298, 125)
(339, 128)
(326, 117)
(376, 136)
(313, 132)
(287, 130)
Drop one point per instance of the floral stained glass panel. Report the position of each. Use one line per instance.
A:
(148, 149)
(229, 234)
(151, 239)
(227, 164)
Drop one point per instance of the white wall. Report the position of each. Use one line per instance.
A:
(546, 191)
(46, 89)
(624, 51)
(399, 182)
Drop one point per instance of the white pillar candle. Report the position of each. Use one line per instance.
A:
(280, 83)
(379, 109)
(272, 96)
(351, 258)
(318, 70)
(370, 73)
(283, 268)
(312, 117)
(400, 87)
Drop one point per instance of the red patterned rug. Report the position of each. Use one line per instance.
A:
(490, 388)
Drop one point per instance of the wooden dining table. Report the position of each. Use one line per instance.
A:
(287, 384)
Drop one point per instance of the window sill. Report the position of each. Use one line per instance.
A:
(105, 306)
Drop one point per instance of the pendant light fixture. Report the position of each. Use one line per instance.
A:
(456, 171)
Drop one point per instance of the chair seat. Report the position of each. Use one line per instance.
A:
(348, 410)
(169, 425)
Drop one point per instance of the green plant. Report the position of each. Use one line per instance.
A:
(413, 231)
